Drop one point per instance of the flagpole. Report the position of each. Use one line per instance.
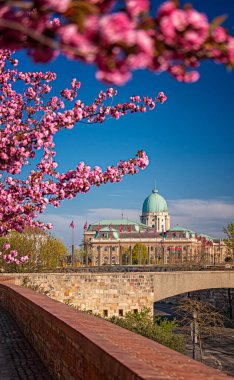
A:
(73, 247)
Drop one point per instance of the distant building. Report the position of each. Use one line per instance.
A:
(111, 242)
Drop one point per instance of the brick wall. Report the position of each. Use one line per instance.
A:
(77, 346)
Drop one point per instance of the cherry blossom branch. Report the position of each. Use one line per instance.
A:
(118, 37)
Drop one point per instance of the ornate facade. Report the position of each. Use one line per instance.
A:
(151, 241)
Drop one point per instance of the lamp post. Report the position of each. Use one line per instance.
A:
(194, 332)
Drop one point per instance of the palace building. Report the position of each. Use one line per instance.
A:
(151, 241)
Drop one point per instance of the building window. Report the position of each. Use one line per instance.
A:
(113, 248)
(151, 248)
(121, 312)
(105, 249)
(135, 311)
(106, 260)
(105, 313)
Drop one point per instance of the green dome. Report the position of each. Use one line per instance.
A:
(154, 203)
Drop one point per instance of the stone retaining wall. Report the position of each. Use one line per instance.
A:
(106, 294)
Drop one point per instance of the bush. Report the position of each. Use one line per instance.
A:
(153, 328)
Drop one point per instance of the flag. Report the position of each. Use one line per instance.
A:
(110, 227)
(121, 228)
(72, 225)
(85, 226)
(99, 227)
(129, 228)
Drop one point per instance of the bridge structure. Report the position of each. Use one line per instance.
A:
(168, 284)
(117, 293)
(78, 346)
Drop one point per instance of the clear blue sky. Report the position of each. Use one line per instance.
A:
(189, 141)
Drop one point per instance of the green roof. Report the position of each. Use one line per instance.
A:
(207, 237)
(154, 203)
(180, 228)
(106, 229)
(118, 222)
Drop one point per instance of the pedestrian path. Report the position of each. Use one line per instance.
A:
(18, 360)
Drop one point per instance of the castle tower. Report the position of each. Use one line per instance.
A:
(155, 212)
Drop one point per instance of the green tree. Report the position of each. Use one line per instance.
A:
(145, 324)
(229, 241)
(139, 254)
(44, 250)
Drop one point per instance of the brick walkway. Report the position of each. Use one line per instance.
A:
(18, 360)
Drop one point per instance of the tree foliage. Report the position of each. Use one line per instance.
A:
(139, 254)
(145, 324)
(43, 250)
(229, 241)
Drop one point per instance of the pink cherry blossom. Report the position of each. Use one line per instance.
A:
(118, 37)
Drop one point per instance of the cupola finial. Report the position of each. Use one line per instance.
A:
(155, 188)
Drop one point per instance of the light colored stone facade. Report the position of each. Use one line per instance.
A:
(160, 221)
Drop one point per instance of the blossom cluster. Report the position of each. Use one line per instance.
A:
(11, 256)
(117, 36)
(29, 119)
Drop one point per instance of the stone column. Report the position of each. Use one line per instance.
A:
(86, 254)
(110, 255)
(130, 256)
(164, 255)
(120, 255)
(99, 255)
(148, 258)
